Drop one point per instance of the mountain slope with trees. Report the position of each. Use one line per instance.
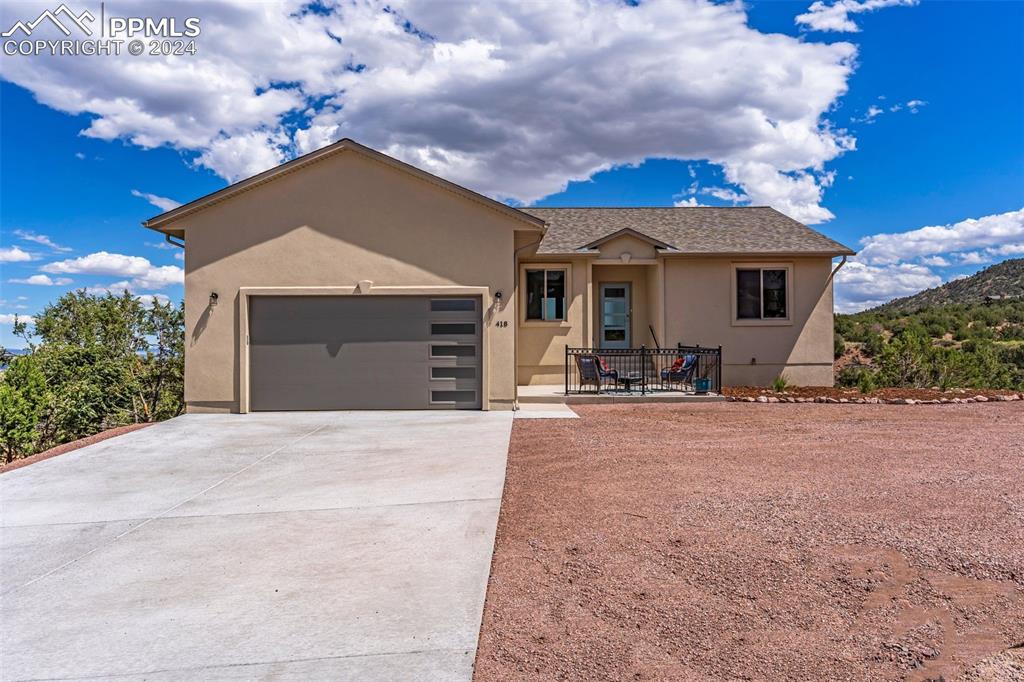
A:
(1001, 279)
(946, 337)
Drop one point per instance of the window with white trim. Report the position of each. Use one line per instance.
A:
(761, 293)
(545, 294)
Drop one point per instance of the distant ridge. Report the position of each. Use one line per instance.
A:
(1001, 279)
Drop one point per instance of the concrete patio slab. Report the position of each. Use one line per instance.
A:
(540, 394)
(545, 411)
(348, 545)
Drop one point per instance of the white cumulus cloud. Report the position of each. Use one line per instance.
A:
(860, 286)
(163, 203)
(12, 254)
(689, 202)
(895, 264)
(835, 16)
(40, 239)
(147, 300)
(141, 272)
(513, 99)
(726, 194)
(999, 234)
(43, 281)
(119, 289)
(9, 318)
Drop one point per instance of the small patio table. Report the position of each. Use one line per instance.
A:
(631, 378)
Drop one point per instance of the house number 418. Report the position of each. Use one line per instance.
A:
(501, 323)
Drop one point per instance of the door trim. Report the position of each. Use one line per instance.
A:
(242, 330)
(628, 286)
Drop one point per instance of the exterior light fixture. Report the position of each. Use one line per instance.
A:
(213, 298)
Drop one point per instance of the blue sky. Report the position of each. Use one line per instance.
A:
(730, 105)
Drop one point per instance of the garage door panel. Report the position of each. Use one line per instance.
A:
(398, 352)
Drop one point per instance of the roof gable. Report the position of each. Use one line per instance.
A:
(162, 221)
(627, 231)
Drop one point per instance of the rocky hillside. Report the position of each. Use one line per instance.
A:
(1002, 279)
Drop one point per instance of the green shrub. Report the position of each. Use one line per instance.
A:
(908, 349)
(838, 345)
(103, 361)
(780, 384)
(866, 380)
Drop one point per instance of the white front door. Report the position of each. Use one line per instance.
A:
(615, 315)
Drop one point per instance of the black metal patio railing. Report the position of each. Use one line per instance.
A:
(690, 369)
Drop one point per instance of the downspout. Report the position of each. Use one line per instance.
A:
(836, 269)
(515, 311)
(170, 240)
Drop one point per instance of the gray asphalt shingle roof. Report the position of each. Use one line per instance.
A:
(746, 229)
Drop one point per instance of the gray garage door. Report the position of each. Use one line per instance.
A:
(364, 352)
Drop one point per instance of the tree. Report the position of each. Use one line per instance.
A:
(904, 360)
(102, 361)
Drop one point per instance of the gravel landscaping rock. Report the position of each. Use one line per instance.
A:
(716, 541)
(891, 396)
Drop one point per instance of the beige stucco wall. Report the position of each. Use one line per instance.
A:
(341, 220)
(640, 313)
(627, 245)
(541, 349)
(699, 311)
(541, 345)
(689, 300)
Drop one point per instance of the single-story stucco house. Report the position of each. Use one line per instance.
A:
(347, 279)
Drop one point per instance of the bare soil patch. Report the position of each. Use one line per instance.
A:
(73, 445)
(716, 541)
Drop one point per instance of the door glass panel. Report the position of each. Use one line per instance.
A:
(613, 306)
(614, 316)
(452, 328)
(453, 372)
(453, 351)
(452, 305)
(452, 396)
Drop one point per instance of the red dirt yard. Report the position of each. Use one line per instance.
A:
(740, 541)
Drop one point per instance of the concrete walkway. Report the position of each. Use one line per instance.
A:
(285, 546)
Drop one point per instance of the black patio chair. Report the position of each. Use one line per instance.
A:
(680, 372)
(594, 371)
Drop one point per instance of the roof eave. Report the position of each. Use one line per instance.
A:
(719, 254)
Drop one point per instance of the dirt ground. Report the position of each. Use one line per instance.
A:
(767, 542)
(64, 448)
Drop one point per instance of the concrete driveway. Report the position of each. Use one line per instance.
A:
(284, 546)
